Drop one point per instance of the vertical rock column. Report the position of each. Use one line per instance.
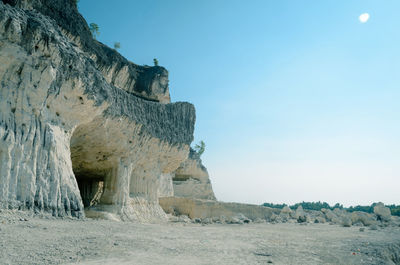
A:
(166, 188)
(145, 184)
(36, 170)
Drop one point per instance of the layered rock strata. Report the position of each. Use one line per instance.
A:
(71, 117)
(196, 208)
(191, 179)
(148, 82)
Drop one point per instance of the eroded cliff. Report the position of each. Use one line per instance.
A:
(191, 179)
(79, 124)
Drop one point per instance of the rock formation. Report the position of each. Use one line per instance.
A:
(85, 131)
(79, 124)
(191, 179)
(382, 212)
(203, 209)
(208, 211)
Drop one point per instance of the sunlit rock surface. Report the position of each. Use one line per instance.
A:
(191, 179)
(197, 208)
(80, 126)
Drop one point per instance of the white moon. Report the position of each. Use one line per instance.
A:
(364, 17)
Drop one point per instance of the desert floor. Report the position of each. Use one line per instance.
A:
(25, 239)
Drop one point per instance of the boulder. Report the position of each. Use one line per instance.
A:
(300, 215)
(346, 221)
(234, 220)
(286, 210)
(207, 221)
(363, 217)
(334, 217)
(319, 220)
(383, 213)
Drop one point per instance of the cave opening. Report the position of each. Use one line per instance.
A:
(183, 177)
(92, 167)
(90, 188)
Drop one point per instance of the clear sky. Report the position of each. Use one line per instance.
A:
(295, 100)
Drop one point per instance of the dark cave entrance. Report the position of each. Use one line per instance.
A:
(91, 189)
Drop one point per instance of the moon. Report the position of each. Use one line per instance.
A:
(364, 17)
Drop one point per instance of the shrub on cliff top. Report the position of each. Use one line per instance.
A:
(200, 148)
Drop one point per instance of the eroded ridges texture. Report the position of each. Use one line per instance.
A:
(57, 103)
(150, 82)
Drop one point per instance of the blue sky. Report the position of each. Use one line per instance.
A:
(295, 100)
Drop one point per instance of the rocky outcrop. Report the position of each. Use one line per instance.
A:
(72, 124)
(145, 81)
(208, 211)
(196, 208)
(191, 179)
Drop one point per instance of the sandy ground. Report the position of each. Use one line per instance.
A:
(32, 240)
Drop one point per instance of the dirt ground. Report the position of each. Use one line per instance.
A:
(26, 239)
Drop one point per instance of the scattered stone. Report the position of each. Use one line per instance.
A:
(259, 221)
(273, 217)
(301, 219)
(173, 219)
(373, 227)
(242, 218)
(216, 220)
(206, 221)
(234, 220)
(320, 220)
(179, 219)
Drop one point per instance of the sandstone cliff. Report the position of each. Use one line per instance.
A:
(75, 113)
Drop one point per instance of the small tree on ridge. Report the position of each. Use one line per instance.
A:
(94, 29)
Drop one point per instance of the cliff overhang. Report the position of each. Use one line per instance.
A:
(77, 120)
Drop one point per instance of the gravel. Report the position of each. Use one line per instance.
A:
(28, 239)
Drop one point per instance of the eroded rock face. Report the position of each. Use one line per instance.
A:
(67, 120)
(166, 188)
(191, 179)
(145, 81)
